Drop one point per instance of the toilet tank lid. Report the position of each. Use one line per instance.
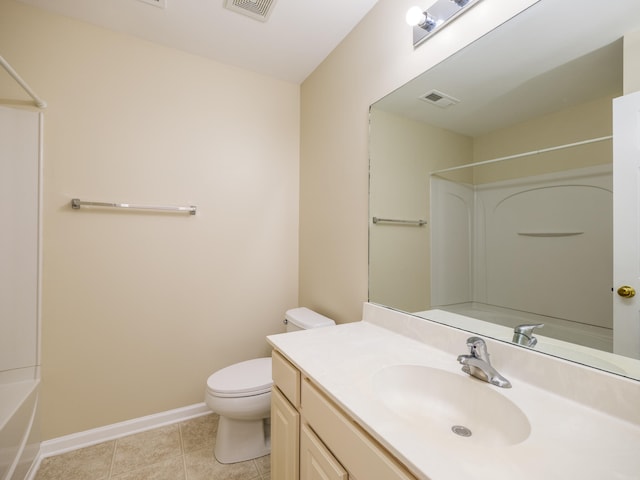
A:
(304, 318)
(249, 377)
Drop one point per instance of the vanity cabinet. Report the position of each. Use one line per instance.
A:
(313, 439)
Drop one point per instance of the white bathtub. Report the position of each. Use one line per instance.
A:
(19, 439)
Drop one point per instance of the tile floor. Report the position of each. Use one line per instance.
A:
(182, 451)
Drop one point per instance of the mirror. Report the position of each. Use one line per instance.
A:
(505, 150)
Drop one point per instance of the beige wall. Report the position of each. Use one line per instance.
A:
(139, 308)
(403, 152)
(589, 120)
(374, 59)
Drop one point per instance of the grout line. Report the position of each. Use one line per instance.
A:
(113, 459)
(182, 449)
(184, 467)
(181, 438)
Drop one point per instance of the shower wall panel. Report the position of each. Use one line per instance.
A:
(19, 187)
(541, 244)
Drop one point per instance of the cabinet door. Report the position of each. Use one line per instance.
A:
(316, 462)
(285, 428)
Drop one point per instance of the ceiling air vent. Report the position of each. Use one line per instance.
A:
(439, 99)
(256, 9)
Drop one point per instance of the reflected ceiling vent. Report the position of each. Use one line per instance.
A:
(439, 99)
(256, 9)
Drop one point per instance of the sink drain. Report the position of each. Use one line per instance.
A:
(461, 430)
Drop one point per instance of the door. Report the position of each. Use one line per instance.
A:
(626, 225)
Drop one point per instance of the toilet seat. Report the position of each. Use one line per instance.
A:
(244, 379)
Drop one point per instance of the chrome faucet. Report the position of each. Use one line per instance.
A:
(523, 334)
(477, 363)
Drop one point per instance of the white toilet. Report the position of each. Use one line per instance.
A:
(241, 395)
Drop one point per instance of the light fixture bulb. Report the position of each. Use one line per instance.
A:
(415, 16)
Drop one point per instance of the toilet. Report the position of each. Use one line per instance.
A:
(241, 395)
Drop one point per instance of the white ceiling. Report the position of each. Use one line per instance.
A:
(297, 37)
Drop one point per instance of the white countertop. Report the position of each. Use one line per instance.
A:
(568, 439)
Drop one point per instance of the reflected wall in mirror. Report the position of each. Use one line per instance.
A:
(514, 174)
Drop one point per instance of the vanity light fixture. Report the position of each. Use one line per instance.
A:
(429, 21)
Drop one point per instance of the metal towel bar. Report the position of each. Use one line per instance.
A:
(419, 223)
(549, 234)
(76, 203)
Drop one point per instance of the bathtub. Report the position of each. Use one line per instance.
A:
(19, 436)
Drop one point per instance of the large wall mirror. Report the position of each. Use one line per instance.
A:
(491, 191)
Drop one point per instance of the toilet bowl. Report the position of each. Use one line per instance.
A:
(241, 395)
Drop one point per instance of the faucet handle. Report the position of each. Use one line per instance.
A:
(474, 341)
(523, 334)
(527, 328)
(478, 348)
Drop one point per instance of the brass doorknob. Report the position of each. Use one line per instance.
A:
(626, 291)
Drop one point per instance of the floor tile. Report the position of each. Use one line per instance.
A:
(263, 464)
(146, 448)
(202, 465)
(175, 452)
(86, 463)
(199, 433)
(171, 469)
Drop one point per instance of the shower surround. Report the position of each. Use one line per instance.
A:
(540, 244)
(20, 173)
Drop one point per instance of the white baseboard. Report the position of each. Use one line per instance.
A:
(87, 438)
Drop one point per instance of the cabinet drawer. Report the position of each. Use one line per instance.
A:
(286, 377)
(351, 445)
(316, 462)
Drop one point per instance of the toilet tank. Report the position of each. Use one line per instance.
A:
(303, 319)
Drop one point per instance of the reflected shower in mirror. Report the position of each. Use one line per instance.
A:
(506, 149)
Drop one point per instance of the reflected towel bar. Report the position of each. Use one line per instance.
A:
(419, 223)
(549, 234)
(76, 203)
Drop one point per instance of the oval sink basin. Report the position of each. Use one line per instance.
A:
(450, 405)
